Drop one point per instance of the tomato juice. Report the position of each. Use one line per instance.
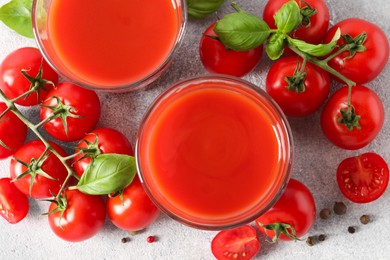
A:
(214, 152)
(109, 43)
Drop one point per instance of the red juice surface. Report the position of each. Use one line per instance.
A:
(210, 152)
(112, 42)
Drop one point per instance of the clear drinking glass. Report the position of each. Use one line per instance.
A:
(99, 44)
(214, 152)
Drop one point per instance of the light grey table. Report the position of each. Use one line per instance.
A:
(315, 165)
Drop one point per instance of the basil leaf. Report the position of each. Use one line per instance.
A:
(241, 31)
(17, 16)
(202, 8)
(318, 50)
(107, 174)
(275, 45)
(288, 17)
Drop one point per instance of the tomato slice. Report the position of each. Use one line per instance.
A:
(363, 178)
(238, 243)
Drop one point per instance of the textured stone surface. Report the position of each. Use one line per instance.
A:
(315, 165)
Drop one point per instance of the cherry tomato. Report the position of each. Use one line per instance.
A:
(366, 104)
(363, 178)
(366, 65)
(108, 141)
(311, 33)
(239, 243)
(134, 211)
(296, 207)
(216, 58)
(83, 217)
(42, 187)
(82, 103)
(13, 203)
(13, 132)
(294, 102)
(14, 83)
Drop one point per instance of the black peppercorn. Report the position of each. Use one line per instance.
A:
(339, 208)
(351, 229)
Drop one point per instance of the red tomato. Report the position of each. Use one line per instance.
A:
(13, 204)
(12, 132)
(216, 58)
(83, 102)
(239, 243)
(292, 102)
(367, 105)
(83, 217)
(14, 83)
(296, 207)
(134, 211)
(319, 22)
(108, 141)
(42, 186)
(363, 178)
(363, 66)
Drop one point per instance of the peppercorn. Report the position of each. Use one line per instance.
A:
(325, 213)
(339, 208)
(351, 229)
(150, 239)
(321, 237)
(365, 219)
(125, 239)
(311, 241)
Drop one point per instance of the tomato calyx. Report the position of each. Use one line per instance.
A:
(280, 228)
(62, 204)
(34, 168)
(37, 83)
(354, 45)
(307, 12)
(349, 118)
(61, 111)
(91, 151)
(297, 81)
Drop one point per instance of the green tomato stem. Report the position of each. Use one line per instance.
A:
(323, 64)
(34, 128)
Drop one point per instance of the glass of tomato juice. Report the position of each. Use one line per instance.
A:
(214, 152)
(109, 45)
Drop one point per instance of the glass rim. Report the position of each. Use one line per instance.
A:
(284, 175)
(136, 85)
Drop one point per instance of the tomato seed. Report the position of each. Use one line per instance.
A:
(365, 219)
(339, 208)
(150, 239)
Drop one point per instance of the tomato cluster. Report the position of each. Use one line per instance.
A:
(41, 169)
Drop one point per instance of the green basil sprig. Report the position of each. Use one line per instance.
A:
(241, 31)
(107, 174)
(17, 15)
(202, 8)
(317, 50)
